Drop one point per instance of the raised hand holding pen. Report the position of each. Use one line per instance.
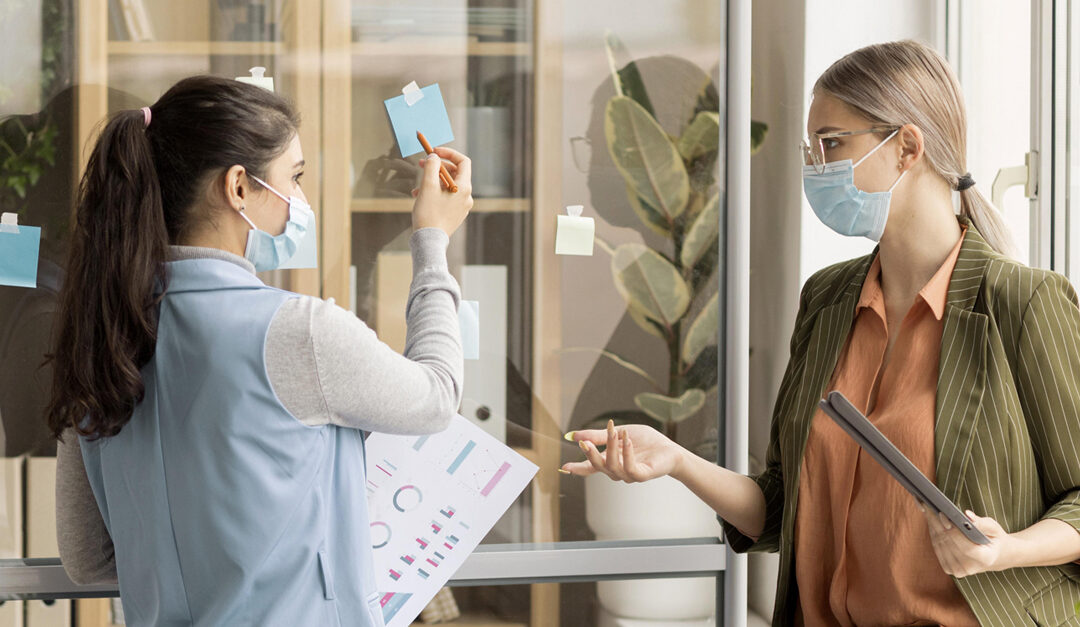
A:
(443, 174)
(436, 208)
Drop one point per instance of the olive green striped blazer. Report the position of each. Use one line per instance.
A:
(1007, 423)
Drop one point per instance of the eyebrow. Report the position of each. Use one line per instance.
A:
(827, 129)
(299, 164)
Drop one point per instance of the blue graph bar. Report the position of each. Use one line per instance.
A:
(461, 457)
(420, 442)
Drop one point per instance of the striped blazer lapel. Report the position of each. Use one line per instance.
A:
(831, 329)
(962, 366)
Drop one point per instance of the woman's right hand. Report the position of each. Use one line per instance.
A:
(634, 453)
(438, 207)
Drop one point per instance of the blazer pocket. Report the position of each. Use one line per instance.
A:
(327, 576)
(1055, 605)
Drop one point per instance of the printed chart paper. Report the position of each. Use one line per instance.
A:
(431, 500)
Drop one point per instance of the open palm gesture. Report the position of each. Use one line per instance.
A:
(634, 453)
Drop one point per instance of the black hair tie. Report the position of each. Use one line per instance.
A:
(965, 182)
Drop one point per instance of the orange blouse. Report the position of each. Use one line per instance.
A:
(862, 548)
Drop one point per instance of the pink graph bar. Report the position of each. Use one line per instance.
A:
(496, 479)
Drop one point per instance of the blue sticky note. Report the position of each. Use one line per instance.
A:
(469, 319)
(427, 115)
(19, 255)
(307, 256)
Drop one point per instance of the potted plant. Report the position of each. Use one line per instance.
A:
(671, 185)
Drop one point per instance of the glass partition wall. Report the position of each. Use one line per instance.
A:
(613, 106)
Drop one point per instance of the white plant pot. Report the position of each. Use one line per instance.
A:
(658, 509)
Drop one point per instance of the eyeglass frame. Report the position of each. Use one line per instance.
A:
(808, 154)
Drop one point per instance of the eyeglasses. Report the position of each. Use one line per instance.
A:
(813, 149)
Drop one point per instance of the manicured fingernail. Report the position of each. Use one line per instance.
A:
(569, 436)
(583, 446)
(610, 423)
(563, 471)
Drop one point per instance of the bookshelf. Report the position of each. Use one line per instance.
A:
(500, 70)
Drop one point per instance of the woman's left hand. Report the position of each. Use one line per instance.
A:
(961, 557)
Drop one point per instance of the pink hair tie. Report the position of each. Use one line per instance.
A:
(146, 116)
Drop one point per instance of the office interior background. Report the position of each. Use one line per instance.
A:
(529, 86)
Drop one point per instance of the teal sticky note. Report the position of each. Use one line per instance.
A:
(19, 254)
(307, 256)
(469, 319)
(427, 115)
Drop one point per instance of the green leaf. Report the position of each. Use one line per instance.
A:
(703, 330)
(628, 81)
(705, 267)
(645, 157)
(703, 374)
(650, 326)
(650, 284)
(702, 136)
(757, 135)
(634, 87)
(667, 409)
(702, 233)
(648, 214)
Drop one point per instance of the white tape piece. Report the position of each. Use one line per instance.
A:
(574, 235)
(412, 93)
(9, 223)
(258, 78)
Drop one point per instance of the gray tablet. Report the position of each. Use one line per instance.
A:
(884, 452)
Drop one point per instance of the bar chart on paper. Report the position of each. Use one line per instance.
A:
(431, 500)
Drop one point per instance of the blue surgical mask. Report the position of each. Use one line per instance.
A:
(843, 207)
(269, 252)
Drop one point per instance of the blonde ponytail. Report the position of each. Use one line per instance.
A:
(987, 220)
(906, 82)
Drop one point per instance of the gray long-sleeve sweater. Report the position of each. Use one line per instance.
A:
(327, 368)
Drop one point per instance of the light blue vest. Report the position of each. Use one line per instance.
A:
(225, 509)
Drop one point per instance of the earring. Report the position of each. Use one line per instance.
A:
(899, 166)
(242, 207)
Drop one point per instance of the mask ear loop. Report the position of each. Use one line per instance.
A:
(247, 219)
(267, 186)
(897, 182)
(875, 149)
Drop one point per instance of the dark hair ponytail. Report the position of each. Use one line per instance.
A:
(136, 198)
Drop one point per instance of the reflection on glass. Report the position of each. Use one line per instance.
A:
(629, 333)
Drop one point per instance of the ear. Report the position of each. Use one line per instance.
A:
(236, 189)
(910, 146)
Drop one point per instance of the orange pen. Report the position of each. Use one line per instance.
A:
(443, 174)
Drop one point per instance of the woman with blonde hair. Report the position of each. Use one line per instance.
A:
(966, 359)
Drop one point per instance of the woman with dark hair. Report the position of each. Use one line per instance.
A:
(211, 428)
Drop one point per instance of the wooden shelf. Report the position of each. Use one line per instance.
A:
(196, 48)
(426, 48)
(404, 205)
